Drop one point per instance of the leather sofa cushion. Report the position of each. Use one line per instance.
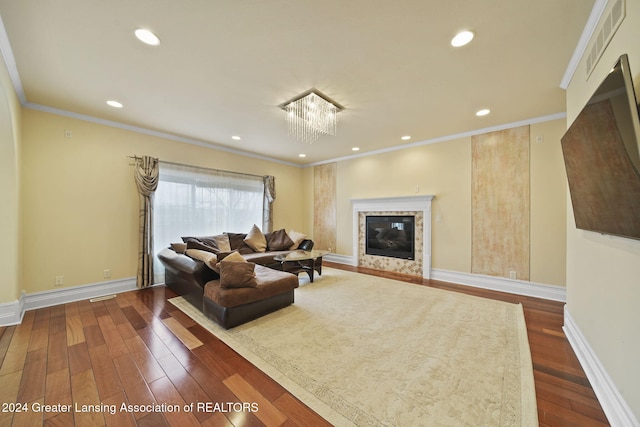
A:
(268, 283)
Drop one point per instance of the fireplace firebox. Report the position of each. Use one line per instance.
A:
(391, 236)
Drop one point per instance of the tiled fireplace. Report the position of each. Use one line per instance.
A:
(418, 206)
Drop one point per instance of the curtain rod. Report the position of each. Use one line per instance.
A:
(199, 167)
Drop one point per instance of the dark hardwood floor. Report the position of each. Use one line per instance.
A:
(139, 349)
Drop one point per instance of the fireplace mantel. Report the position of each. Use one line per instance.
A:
(393, 204)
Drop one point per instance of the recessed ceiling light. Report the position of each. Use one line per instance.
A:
(355, 149)
(114, 104)
(302, 155)
(405, 138)
(462, 38)
(146, 36)
(483, 112)
(236, 138)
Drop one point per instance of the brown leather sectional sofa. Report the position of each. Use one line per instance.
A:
(199, 280)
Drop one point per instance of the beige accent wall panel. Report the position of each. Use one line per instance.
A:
(500, 203)
(324, 206)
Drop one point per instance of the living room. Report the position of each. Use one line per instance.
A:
(73, 211)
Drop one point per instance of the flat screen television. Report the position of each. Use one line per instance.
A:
(602, 158)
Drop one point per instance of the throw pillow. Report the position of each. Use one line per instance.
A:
(297, 238)
(237, 275)
(237, 243)
(185, 239)
(179, 247)
(279, 241)
(208, 258)
(233, 256)
(196, 244)
(256, 240)
(215, 244)
(222, 241)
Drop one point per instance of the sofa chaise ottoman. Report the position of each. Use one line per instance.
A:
(231, 307)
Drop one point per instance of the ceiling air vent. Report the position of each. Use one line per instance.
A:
(608, 27)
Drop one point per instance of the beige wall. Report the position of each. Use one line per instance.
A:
(444, 170)
(80, 205)
(548, 204)
(603, 272)
(10, 111)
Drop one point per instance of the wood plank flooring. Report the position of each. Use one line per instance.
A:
(78, 363)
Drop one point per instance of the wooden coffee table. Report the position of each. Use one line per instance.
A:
(297, 262)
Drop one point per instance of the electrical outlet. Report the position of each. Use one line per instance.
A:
(59, 280)
(107, 273)
(512, 275)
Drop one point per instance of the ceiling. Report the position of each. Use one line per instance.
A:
(223, 67)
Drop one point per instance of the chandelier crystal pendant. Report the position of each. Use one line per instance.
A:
(310, 115)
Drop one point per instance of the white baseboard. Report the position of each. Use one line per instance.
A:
(613, 404)
(341, 259)
(11, 313)
(77, 293)
(502, 284)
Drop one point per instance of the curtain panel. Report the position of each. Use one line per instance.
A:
(146, 177)
(269, 198)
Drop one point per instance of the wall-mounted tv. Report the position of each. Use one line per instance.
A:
(602, 158)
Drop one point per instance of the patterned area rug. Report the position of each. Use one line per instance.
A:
(367, 351)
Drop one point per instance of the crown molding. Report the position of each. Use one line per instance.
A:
(541, 119)
(590, 27)
(9, 60)
(145, 131)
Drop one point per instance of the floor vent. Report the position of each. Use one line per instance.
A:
(608, 27)
(106, 297)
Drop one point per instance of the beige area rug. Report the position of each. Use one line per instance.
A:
(367, 351)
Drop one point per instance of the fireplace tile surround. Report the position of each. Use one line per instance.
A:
(420, 206)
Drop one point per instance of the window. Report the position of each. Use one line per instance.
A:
(193, 201)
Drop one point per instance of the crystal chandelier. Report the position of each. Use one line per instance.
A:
(310, 115)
